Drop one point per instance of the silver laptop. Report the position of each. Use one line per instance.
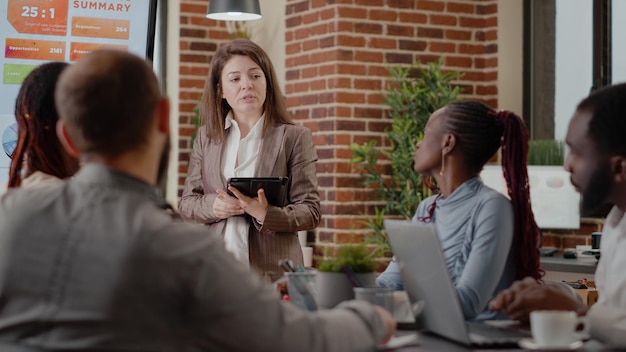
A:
(426, 277)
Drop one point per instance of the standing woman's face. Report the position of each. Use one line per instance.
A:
(244, 87)
(427, 158)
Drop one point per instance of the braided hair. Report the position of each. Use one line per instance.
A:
(36, 117)
(480, 131)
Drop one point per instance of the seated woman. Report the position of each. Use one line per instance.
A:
(39, 159)
(488, 241)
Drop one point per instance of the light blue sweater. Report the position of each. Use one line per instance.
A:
(475, 226)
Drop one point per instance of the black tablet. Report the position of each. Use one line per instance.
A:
(275, 188)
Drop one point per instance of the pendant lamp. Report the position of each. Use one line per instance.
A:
(234, 10)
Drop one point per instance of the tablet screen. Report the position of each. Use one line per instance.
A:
(275, 188)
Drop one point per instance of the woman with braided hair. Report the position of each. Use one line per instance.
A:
(488, 240)
(39, 159)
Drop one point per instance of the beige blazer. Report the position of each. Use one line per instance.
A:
(286, 150)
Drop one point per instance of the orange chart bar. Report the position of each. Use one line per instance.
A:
(47, 17)
(34, 49)
(78, 50)
(100, 28)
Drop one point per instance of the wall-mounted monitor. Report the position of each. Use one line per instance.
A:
(37, 31)
(554, 201)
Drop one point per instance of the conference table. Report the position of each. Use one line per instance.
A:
(431, 343)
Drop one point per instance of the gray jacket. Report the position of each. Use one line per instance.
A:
(96, 264)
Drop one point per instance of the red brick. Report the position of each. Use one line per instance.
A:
(345, 27)
(487, 9)
(358, 13)
(423, 32)
(375, 98)
(415, 18)
(318, 84)
(310, 17)
(309, 72)
(377, 3)
(472, 22)
(404, 31)
(443, 20)
(353, 98)
(368, 56)
(368, 112)
(369, 84)
(201, 21)
(413, 45)
(200, 46)
(491, 22)
(382, 43)
(394, 58)
(487, 90)
(428, 58)
(356, 70)
(486, 62)
(439, 47)
(203, 59)
(348, 238)
(192, 33)
(340, 82)
(346, 40)
(377, 70)
(430, 5)
(400, 4)
(370, 28)
(471, 49)
(460, 7)
(457, 61)
(458, 35)
(293, 21)
(383, 15)
(327, 14)
(297, 7)
(342, 111)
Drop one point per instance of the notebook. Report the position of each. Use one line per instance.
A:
(426, 277)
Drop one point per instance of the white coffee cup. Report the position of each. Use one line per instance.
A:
(556, 328)
(307, 256)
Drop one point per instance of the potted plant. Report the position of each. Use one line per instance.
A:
(353, 265)
(413, 93)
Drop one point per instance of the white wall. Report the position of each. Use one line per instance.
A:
(172, 90)
(510, 55)
(619, 41)
(573, 61)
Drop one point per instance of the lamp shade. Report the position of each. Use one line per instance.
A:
(234, 10)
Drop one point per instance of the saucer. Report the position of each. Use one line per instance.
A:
(530, 344)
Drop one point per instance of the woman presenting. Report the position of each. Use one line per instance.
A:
(248, 133)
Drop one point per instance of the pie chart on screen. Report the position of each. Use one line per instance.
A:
(9, 139)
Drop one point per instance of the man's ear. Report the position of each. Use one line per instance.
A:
(65, 140)
(163, 115)
(618, 168)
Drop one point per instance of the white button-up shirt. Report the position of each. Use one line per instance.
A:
(240, 158)
(608, 315)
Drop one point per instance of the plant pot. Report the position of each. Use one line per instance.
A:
(334, 288)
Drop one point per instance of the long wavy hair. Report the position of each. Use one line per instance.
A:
(214, 109)
(37, 143)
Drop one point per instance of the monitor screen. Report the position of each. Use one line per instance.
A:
(555, 202)
(37, 31)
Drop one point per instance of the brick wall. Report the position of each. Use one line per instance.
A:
(337, 52)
